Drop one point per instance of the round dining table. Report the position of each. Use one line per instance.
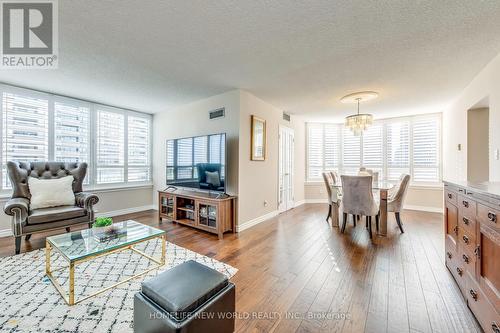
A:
(383, 187)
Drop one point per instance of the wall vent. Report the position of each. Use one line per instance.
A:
(286, 116)
(219, 113)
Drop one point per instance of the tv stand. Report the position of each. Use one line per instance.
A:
(199, 210)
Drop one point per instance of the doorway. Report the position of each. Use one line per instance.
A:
(478, 144)
(285, 172)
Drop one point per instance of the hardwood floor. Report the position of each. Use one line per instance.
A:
(298, 274)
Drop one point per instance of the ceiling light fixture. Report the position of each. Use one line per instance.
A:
(359, 122)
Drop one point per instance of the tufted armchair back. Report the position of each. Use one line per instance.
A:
(20, 171)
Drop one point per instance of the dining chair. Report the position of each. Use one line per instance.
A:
(396, 199)
(358, 199)
(365, 172)
(328, 183)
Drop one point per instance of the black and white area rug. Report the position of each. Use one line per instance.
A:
(30, 303)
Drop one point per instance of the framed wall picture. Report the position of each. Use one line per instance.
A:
(258, 139)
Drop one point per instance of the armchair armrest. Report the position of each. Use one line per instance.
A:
(18, 208)
(86, 200)
(16, 205)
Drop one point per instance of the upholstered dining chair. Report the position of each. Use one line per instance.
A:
(328, 184)
(365, 172)
(397, 197)
(26, 221)
(358, 199)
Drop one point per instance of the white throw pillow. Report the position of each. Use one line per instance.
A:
(51, 192)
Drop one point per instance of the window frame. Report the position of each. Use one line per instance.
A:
(384, 122)
(92, 136)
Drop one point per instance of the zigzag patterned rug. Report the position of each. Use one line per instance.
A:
(30, 303)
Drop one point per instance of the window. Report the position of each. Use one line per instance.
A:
(425, 143)
(39, 127)
(110, 147)
(25, 129)
(391, 147)
(71, 132)
(139, 141)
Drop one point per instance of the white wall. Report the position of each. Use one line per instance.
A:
(252, 181)
(478, 168)
(191, 120)
(258, 180)
(486, 85)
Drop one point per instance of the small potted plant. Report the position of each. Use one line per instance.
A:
(102, 222)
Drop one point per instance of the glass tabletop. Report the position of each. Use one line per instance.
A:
(80, 244)
(380, 185)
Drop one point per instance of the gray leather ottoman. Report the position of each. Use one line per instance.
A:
(190, 297)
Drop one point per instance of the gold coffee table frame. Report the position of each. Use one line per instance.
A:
(70, 297)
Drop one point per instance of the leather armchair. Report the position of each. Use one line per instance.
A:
(26, 221)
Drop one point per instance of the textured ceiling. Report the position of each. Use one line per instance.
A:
(301, 56)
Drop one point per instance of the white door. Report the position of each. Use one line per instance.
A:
(285, 191)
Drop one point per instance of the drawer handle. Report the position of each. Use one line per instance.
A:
(466, 259)
(449, 196)
(466, 220)
(477, 252)
(465, 203)
(466, 239)
(473, 294)
(460, 271)
(455, 230)
(448, 254)
(495, 328)
(492, 217)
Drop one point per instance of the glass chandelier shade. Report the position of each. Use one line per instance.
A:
(359, 122)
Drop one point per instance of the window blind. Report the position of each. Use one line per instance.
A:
(425, 143)
(138, 150)
(392, 146)
(25, 134)
(398, 148)
(315, 150)
(110, 147)
(373, 148)
(351, 152)
(71, 132)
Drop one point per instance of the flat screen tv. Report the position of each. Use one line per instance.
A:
(197, 162)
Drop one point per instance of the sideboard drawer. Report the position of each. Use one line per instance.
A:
(467, 259)
(488, 215)
(450, 196)
(466, 240)
(466, 207)
(481, 307)
(467, 223)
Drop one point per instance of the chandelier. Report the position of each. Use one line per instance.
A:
(359, 122)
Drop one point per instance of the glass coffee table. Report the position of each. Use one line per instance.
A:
(84, 245)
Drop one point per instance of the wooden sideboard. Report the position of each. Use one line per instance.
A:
(198, 210)
(472, 245)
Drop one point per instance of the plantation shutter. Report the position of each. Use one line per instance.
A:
(426, 134)
(373, 148)
(351, 152)
(314, 150)
(139, 168)
(398, 148)
(110, 147)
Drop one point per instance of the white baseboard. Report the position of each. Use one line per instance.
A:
(126, 211)
(255, 221)
(5, 233)
(314, 201)
(8, 232)
(424, 208)
(299, 203)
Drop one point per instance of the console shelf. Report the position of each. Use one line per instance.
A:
(198, 210)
